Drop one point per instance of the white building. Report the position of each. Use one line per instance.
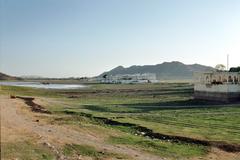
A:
(131, 78)
(220, 86)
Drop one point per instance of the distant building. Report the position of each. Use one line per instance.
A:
(219, 86)
(130, 78)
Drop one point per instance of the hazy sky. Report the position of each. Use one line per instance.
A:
(61, 38)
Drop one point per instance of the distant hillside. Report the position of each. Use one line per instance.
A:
(165, 71)
(7, 77)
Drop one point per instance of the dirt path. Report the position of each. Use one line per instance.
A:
(17, 121)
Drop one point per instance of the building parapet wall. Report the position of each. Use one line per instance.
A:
(217, 78)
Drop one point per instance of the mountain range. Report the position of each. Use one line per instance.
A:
(166, 71)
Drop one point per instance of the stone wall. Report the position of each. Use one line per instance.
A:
(225, 88)
(216, 96)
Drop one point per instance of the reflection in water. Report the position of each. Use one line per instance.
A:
(45, 86)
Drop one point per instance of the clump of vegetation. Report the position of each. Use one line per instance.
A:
(162, 148)
(234, 69)
(25, 150)
(89, 151)
(71, 149)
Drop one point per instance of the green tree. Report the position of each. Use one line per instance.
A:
(220, 67)
(234, 69)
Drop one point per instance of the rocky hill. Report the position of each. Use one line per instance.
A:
(7, 77)
(165, 71)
